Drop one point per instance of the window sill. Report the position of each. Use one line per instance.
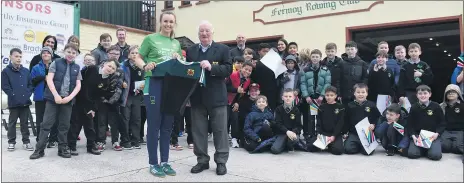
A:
(167, 9)
(185, 5)
(202, 2)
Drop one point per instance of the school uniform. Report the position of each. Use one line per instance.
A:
(130, 105)
(407, 83)
(287, 118)
(381, 81)
(428, 117)
(335, 68)
(330, 121)
(452, 137)
(65, 80)
(390, 138)
(245, 105)
(16, 83)
(258, 128)
(355, 112)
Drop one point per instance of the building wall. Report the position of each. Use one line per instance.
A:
(90, 32)
(232, 17)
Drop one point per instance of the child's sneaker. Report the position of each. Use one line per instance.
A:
(234, 143)
(117, 147)
(391, 151)
(143, 142)
(127, 146)
(11, 147)
(28, 147)
(167, 169)
(137, 146)
(52, 144)
(100, 146)
(157, 171)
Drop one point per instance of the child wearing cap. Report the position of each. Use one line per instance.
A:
(291, 78)
(38, 74)
(245, 104)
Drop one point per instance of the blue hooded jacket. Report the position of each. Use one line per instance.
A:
(16, 83)
(39, 71)
(255, 121)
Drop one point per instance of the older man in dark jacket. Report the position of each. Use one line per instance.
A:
(210, 102)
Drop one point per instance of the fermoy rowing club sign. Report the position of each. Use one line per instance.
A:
(286, 11)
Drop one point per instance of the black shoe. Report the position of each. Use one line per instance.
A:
(74, 152)
(143, 142)
(221, 169)
(52, 144)
(199, 168)
(37, 154)
(390, 152)
(94, 151)
(64, 152)
(127, 146)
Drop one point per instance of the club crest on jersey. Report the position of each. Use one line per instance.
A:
(457, 110)
(292, 116)
(368, 109)
(337, 111)
(215, 63)
(190, 72)
(389, 75)
(100, 85)
(429, 112)
(140, 73)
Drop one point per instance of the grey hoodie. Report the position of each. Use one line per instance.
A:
(451, 87)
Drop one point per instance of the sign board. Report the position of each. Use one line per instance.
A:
(286, 11)
(26, 23)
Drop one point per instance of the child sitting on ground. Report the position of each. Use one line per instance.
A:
(258, 126)
(288, 124)
(391, 139)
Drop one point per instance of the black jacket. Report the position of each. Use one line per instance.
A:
(267, 81)
(214, 94)
(95, 88)
(354, 71)
(336, 71)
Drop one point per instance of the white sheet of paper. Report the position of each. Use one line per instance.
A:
(321, 142)
(273, 61)
(383, 101)
(364, 125)
(406, 104)
(137, 85)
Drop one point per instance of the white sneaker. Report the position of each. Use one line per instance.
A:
(11, 147)
(28, 147)
(234, 143)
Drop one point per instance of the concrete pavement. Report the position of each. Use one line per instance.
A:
(132, 165)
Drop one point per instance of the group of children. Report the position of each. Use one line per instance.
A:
(71, 97)
(344, 91)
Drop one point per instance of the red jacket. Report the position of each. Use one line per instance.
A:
(233, 83)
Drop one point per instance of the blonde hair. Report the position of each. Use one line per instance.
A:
(261, 97)
(305, 54)
(133, 47)
(400, 47)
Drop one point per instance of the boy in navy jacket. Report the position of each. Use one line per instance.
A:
(16, 83)
(258, 125)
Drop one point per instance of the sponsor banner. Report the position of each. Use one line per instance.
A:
(26, 23)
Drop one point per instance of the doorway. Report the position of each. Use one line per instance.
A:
(440, 42)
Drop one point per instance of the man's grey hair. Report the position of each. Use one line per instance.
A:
(206, 22)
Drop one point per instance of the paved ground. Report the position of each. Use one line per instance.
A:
(131, 165)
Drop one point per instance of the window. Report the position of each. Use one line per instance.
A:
(185, 3)
(168, 4)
